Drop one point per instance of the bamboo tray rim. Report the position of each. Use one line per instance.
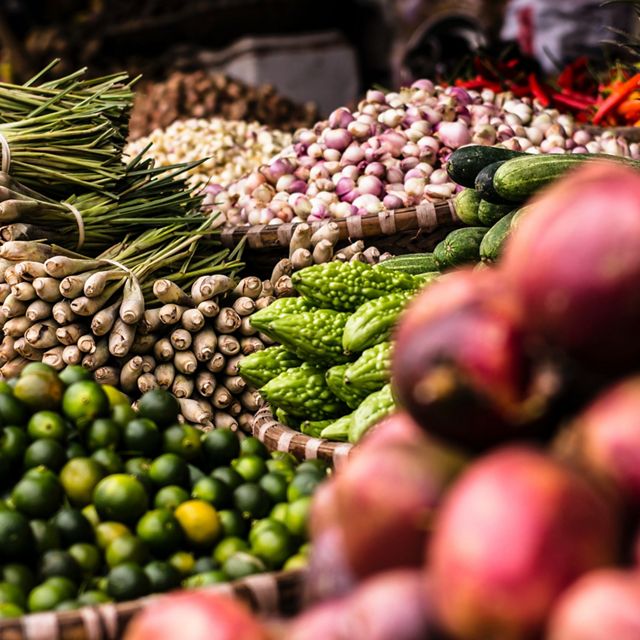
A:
(264, 593)
(278, 437)
(425, 217)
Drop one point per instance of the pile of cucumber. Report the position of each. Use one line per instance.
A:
(497, 183)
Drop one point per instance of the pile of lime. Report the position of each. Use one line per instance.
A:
(103, 503)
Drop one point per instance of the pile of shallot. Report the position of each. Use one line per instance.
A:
(389, 154)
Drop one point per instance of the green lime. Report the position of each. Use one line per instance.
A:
(87, 556)
(220, 447)
(160, 406)
(13, 594)
(282, 467)
(47, 424)
(60, 563)
(85, 401)
(13, 442)
(16, 538)
(9, 610)
(38, 367)
(261, 525)
(38, 494)
(162, 576)
(205, 579)
(18, 574)
(204, 563)
(275, 485)
(107, 532)
(39, 390)
(284, 456)
(128, 582)
(303, 484)
(90, 513)
(139, 467)
(12, 411)
(195, 474)
(170, 497)
(46, 535)
(214, 491)
(279, 512)
(111, 462)
(183, 561)
(79, 478)
(161, 531)
(76, 450)
(273, 545)
(253, 447)
(67, 605)
(298, 516)
(141, 437)
(229, 476)
(169, 469)
(183, 440)
(199, 522)
(103, 433)
(297, 561)
(72, 526)
(305, 549)
(45, 452)
(47, 596)
(251, 500)
(74, 373)
(227, 547)
(313, 466)
(93, 597)
(242, 564)
(5, 387)
(121, 498)
(250, 467)
(122, 414)
(115, 397)
(233, 524)
(126, 549)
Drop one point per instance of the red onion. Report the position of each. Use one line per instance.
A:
(213, 189)
(392, 141)
(315, 150)
(332, 167)
(298, 186)
(350, 172)
(373, 95)
(302, 173)
(359, 130)
(410, 150)
(406, 164)
(392, 202)
(300, 204)
(306, 137)
(307, 162)
(350, 196)
(340, 118)
(263, 193)
(284, 182)
(454, 134)
(602, 605)
(414, 173)
(318, 171)
(343, 209)
(352, 154)
(367, 204)
(370, 184)
(332, 155)
(576, 264)
(338, 139)
(513, 533)
(375, 169)
(319, 210)
(461, 95)
(344, 186)
(439, 176)
(394, 174)
(425, 85)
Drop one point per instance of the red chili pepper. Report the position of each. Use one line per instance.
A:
(630, 109)
(570, 101)
(582, 97)
(538, 91)
(617, 96)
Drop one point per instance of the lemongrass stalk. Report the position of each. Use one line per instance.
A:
(16, 327)
(28, 270)
(7, 348)
(221, 397)
(143, 343)
(24, 291)
(245, 328)
(96, 282)
(48, 289)
(266, 340)
(131, 371)
(107, 375)
(147, 382)
(27, 350)
(185, 362)
(235, 408)
(62, 266)
(267, 290)
(163, 350)
(235, 384)
(12, 307)
(148, 363)
(181, 339)
(244, 305)
(71, 354)
(171, 313)
(216, 363)
(87, 343)
(227, 321)
(73, 286)
(165, 374)
(132, 307)
(245, 421)
(121, 338)
(228, 345)
(224, 420)
(209, 308)
(11, 276)
(264, 301)
(192, 320)
(19, 250)
(99, 357)
(103, 321)
(13, 368)
(38, 310)
(250, 287)
(169, 292)
(62, 312)
(195, 411)
(204, 344)
(250, 344)
(42, 335)
(205, 383)
(53, 357)
(232, 366)
(182, 386)
(251, 400)
(69, 334)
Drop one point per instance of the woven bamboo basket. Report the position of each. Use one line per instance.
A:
(269, 594)
(401, 231)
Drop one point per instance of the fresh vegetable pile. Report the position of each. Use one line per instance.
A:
(102, 503)
(329, 374)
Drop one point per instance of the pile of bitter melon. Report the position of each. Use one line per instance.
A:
(329, 374)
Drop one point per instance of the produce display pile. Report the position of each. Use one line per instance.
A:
(104, 503)
(183, 96)
(390, 152)
(230, 148)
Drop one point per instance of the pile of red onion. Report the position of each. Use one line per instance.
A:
(389, 154)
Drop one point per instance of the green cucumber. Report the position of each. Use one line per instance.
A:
(412, 263)
(461, 246)
(465, 164)
(493, 241)
(518, 179)
(489, 213)
(466, 204)
(484, 184)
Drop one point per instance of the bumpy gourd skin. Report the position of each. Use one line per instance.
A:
(303, 392)
(372, 370)
(372, 410)
(344, 286)
(338, 429)
(314, 336)
(261, 366)
(372, 321)
(350, 395)
(278, 308)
